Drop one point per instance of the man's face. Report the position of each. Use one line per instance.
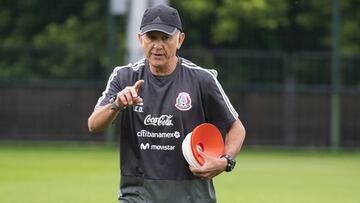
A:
(160, 48)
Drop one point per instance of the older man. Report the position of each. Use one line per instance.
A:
(161, 99)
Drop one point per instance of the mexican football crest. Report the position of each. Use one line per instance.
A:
(183, 101)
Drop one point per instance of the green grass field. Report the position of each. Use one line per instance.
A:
(74, 173)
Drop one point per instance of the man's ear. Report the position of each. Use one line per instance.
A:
(180, 40)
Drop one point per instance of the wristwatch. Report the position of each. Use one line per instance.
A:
(114, 106)
(230, 162)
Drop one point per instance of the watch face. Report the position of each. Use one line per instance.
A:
(233, 164)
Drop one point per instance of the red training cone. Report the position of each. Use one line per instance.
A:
(206, 138)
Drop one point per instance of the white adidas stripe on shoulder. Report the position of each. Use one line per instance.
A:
(213, 73)
(137, 65)
(134, 66)
(189, 63)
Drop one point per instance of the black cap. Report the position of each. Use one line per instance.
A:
(161, 18)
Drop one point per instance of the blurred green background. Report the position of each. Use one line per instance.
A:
(290, 68)
(68, 39)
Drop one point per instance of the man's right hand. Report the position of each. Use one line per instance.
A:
(129, 95)
(103, 116)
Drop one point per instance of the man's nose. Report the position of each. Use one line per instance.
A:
(158, 44)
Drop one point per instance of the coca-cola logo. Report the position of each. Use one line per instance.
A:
(163, 120)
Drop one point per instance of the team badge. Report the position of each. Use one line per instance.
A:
(183, 101)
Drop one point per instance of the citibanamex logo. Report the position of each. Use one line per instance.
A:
(163, 120)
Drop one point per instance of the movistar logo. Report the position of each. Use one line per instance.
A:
(144, 146)
(157, 147)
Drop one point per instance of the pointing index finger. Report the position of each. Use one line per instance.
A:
(138, 84)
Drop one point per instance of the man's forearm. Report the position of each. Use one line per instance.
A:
(101, 118)
(234, 138)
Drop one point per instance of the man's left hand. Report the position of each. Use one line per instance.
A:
(212, 167)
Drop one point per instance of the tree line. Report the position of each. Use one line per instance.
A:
(64, 39)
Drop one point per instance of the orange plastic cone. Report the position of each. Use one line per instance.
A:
(206, 138)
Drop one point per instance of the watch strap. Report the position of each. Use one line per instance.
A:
(114, 106)
(230, 162)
